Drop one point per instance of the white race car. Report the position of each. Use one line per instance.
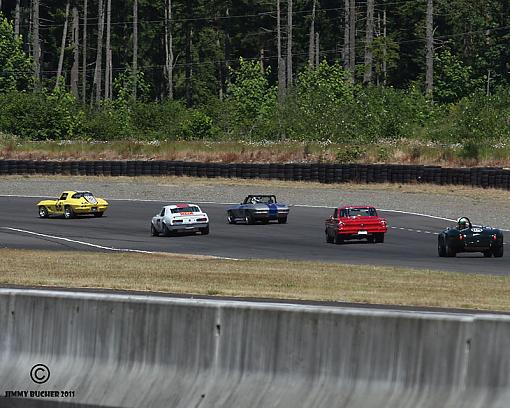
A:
(180, 218)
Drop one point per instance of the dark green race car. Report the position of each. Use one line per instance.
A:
(468, 238)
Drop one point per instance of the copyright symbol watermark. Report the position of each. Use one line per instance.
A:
(40, 373)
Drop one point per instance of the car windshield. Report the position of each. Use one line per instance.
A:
(190, 209)
(358, 212)
(264, 199)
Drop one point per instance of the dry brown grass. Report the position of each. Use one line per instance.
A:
(266, 279)
(400, 152)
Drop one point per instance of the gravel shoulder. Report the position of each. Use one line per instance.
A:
(488, 207)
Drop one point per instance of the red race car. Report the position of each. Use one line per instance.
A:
(355, 223)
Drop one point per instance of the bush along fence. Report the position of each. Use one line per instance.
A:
(317, 172)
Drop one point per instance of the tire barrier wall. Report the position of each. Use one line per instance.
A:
(143, 351)
(323, 173)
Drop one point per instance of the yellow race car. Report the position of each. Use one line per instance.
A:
(72, 203)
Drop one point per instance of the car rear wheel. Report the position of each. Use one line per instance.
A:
(487, 254)
(450, 252)
(98, 214)
(498, 251)
(154, 231)
(282, 220)
(166, 231)
(68, 212)
(204, 231)
(379, 237)
(371, 239)
(338, 239)
(43, 212)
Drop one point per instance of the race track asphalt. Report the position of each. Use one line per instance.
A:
(411, 240)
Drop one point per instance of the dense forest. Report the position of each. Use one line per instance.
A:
(327, 70)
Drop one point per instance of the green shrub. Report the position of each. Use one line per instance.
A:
(198, 126)
(159, 121)
(41, 115)
(478, 118)
(470, 151)
(350, 153)
(107, 123)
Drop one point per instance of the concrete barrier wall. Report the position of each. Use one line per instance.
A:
(137, 351)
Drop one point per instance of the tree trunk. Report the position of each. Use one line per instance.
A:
(98, 72)
(36, 44)
(317, 50)
(367, 78)
(62, 47)
(107, 78)
(110, 74)
(429, 76)
(30, 30)
(289, 43)
(76, 51)
(227, 45)
(384, 64)
(84, 55)
(262, 58)
(352, 38)
(347, 45)
(189, 57)
(311, 44)
(169, 50)
(17, 18)
(135, 47)
(281, 62)
(220, 71)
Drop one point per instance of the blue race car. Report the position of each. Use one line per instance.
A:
(254, 208)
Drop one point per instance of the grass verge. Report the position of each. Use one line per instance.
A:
(266, 279)
(405, 151)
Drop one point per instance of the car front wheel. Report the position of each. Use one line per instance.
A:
(43, 212)
(230, 218)
(154, 231)
(282, 220)
(249, 219)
